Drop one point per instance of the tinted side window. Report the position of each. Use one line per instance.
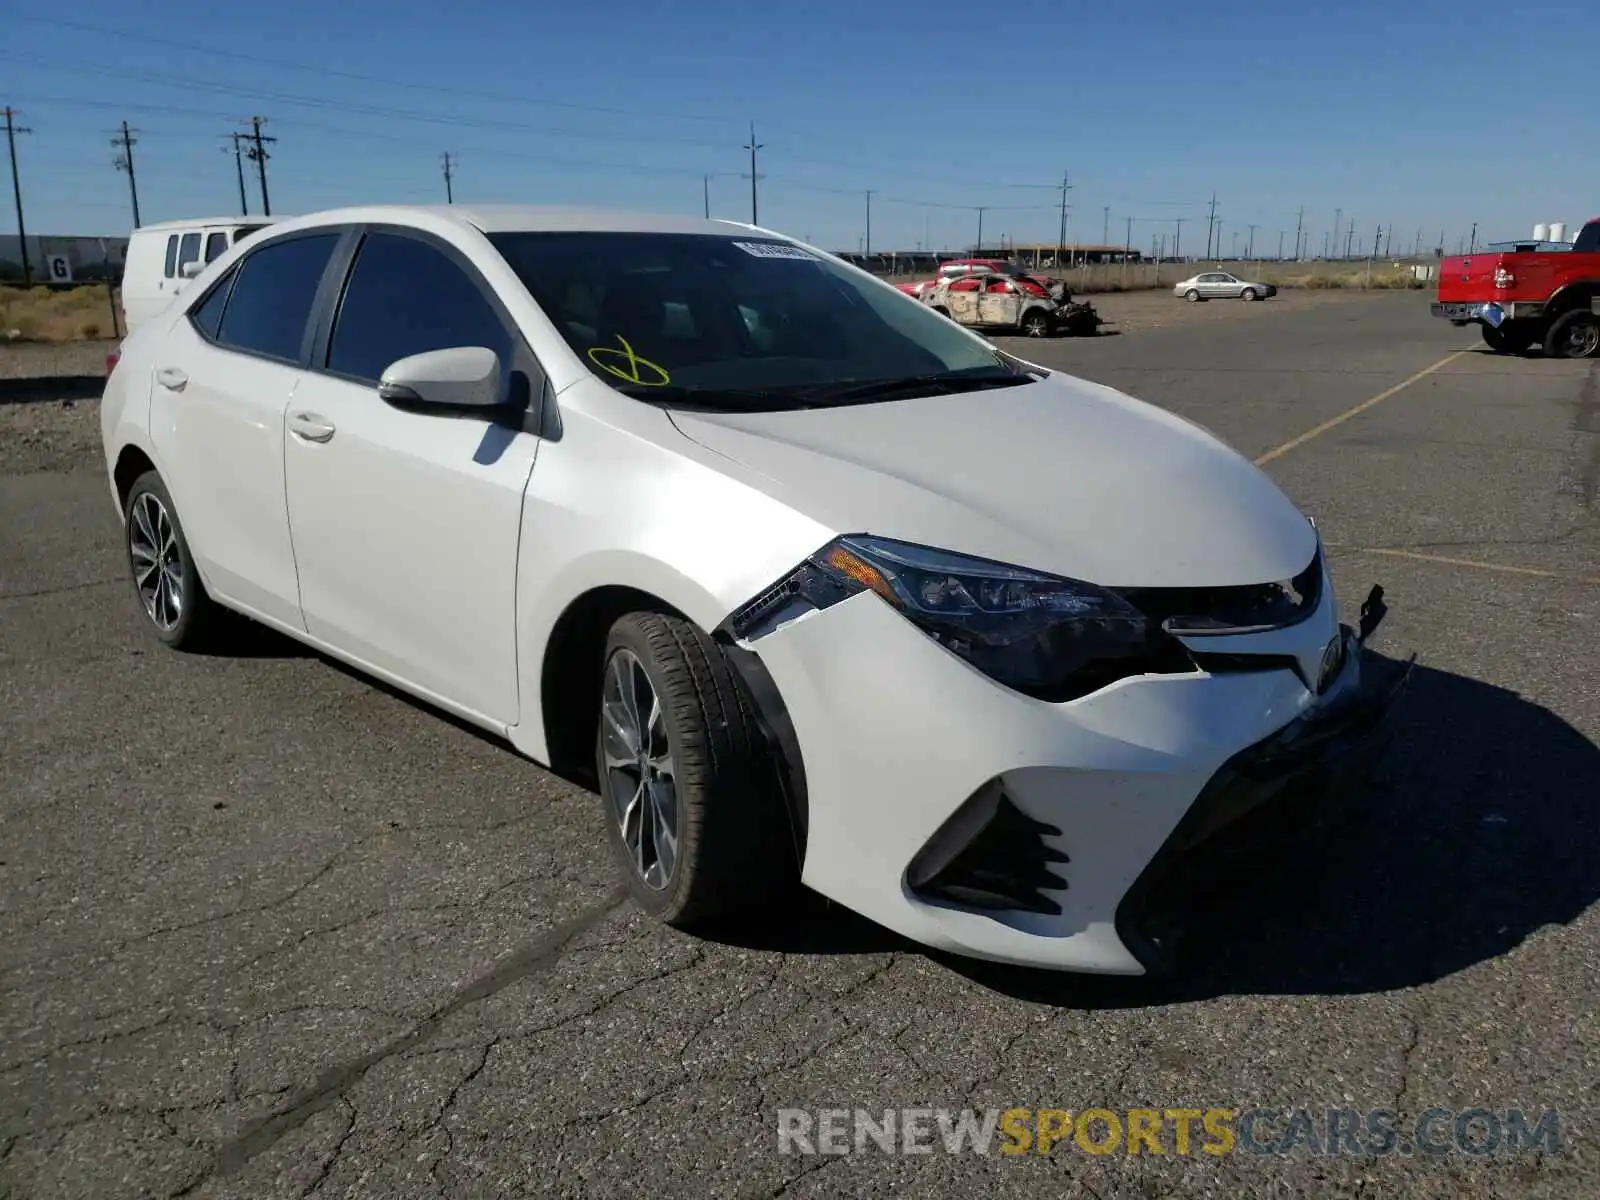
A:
(172, 256)
(272, 298)
(406, 297)
(216, 243)
(189, 251)
(208, 315)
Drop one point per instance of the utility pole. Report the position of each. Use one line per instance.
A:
(1234, 253)
(1177, 241)
(1349, 238)
(1417, 251)
(1299, 222)
(257, 154)
(12, 129)
(1388, 240)
(1324, 247)
(238, 167)
(1471, 250)
(1061, 241)
(705, 183)
(1105, 228)
(1218, 256)
(1250, 248)
(1338, 216)
(978, 249)
(1211, 223)
(449, 162)
(124, 162)
(1127, 250)
(868, 250)
(1281, 236)
(753, 146)
(1377, 241)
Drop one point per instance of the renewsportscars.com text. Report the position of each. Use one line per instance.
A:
(1376, 1133)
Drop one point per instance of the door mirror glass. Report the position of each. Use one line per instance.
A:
(460, 377)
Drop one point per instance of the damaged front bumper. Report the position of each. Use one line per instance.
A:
(976, 820)
(1291, 782)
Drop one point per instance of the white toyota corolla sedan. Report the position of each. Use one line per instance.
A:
(820, 586)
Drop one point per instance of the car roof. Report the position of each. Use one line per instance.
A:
(524, 218)
(192, 222)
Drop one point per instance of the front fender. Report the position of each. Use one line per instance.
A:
(658, 514)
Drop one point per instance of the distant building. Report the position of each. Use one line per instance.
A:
(88, 255)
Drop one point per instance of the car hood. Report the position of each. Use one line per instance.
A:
(1059, 475)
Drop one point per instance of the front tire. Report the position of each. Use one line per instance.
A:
(1575, 335)
(1035, 324)
(165, 579)
(1248, 294)
(694, 813)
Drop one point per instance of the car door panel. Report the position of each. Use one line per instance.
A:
(998, 305)
(405, 527)
(216, 419)
(406, 520)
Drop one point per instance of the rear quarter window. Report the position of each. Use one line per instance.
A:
(172, 256)
(273, 294)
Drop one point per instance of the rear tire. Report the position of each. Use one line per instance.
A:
(709, 836)
(1575, 335)
(165, 580)
(1495, 340)
(1192, 296)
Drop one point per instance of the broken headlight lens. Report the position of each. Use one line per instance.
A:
(1040, 634)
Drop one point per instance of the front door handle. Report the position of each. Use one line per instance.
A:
(310, 427)
(171, 378)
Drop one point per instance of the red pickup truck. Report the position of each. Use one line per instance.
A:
(1528, 297)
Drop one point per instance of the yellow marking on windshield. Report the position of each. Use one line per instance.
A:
(625, 363)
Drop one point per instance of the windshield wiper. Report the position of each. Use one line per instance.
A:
(715, 399)
(946, 383)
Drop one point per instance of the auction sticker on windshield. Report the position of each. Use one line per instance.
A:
(775, 250)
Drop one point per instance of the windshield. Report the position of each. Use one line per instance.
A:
(737, 323)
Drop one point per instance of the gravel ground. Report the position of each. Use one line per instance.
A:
(36, 360)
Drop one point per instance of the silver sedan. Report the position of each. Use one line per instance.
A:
(1213, 285)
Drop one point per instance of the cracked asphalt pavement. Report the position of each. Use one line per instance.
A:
(271, 930)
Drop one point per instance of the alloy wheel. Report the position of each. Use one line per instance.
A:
(157, 562)
(1583, 338)
(640, 781)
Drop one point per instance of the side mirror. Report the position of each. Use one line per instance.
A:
(190, 269)
(460, 377)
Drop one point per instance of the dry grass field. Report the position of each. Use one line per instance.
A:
(59, 314)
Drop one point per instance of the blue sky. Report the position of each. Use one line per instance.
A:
(1426, 114)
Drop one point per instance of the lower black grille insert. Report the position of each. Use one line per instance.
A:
(990, 855)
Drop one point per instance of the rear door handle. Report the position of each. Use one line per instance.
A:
(172, 378)
(310, 427)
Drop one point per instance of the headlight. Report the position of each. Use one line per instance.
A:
(1049, 637)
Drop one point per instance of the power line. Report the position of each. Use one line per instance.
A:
(124, 162)
(448, 163)
(12, 129)
(302, 100)
(388, 83)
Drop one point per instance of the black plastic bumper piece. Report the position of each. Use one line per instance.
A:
(1291, 781)
(990, 856)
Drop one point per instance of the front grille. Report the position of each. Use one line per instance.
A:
(1236, 609)
(990, 855)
